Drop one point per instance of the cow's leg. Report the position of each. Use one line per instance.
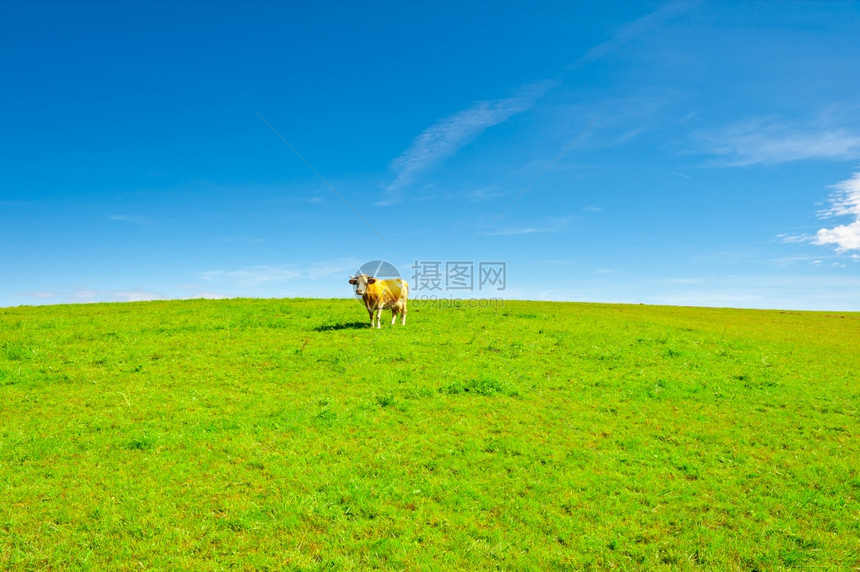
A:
(369, 311)
(403, 315)
(393, 315)
(379, 318)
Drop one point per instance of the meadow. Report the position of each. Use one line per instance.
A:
(286, 434)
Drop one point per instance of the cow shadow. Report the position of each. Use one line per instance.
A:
(342, 326)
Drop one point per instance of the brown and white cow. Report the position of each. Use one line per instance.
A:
(379, 295)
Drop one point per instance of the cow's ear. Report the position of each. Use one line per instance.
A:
(371, 280)
(353, 281)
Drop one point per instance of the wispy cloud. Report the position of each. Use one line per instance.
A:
(677, 174)
(250, 277)
(89, 296)
(554, 225)
(95, 295)
(489, 192)
(772, 140)
(779, 291)
(132, 219)
(516, 231)
(267, 275)
(635, 29)
(844, 201)
(447, 136)
(85, 296)
(40, 295)
(207, 295)
(623, 120)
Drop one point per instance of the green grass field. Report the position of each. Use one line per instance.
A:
(286, 434)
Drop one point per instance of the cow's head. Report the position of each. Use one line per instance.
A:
(360, 282)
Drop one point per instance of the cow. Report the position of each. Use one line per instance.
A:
(379, 295)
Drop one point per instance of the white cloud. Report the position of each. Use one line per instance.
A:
(446, 137)
(489, 192)
(266, 275)
(136, 220)
(635, 29)
(43, 295)
(203, 294)
(252, 276)
(845, 236)
(86, 296)
(324, 278)
(771, 140)
(791, 238)
(553, 225)
(95, 295)
(516, 231)
(777, 291)
(92, 295)
(677, 174)
(844, 201)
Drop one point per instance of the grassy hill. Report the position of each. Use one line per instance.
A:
(287, 434)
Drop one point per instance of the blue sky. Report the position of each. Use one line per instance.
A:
(661, 153)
